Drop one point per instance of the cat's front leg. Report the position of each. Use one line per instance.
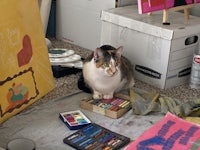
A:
(97, 95)
(108, 96)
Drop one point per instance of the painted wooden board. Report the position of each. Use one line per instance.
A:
(25, 70)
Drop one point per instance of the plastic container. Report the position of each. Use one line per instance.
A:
(21, 144)
(195, 71)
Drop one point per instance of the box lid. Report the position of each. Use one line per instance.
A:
(128, 17)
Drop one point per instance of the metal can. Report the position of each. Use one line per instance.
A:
(195, 72)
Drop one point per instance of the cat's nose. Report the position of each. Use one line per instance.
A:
(114, 72)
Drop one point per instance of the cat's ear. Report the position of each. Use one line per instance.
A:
(97, 54)
(120, 51)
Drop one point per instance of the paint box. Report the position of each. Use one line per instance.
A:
(113, 108)
(74, 119)
(96, 137)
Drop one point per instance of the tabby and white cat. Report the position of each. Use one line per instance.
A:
(106, 71)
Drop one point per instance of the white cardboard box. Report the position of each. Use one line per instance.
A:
(158, 52)
(195, 10)
(79, 22)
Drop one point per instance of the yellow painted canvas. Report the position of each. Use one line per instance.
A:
(25, 70)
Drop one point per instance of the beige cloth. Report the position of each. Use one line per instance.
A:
(144, 103)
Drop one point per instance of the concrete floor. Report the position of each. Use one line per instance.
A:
(42, 125)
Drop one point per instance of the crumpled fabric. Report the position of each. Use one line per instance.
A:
(144, 103)
(195, 120)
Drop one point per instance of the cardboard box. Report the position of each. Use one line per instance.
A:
(161, 54)
(78, 22)
(195, 10)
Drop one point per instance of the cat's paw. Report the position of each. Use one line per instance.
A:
(108, 96)
(97, 95)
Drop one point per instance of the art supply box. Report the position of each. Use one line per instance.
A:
(74, 119)
(113, 108)
(96, 137)
(161, 54)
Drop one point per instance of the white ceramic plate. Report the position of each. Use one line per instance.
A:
(60, 52)
(63, 60)
(76, 64)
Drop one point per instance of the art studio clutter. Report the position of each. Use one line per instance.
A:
(64, 62)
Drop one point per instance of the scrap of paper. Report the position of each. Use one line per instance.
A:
(170, 133)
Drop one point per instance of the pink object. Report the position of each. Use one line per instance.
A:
(146, 6)
(171, 133)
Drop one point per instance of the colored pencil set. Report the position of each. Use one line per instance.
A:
(96, 137)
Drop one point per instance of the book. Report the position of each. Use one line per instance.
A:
(96, 137)
(74, 119)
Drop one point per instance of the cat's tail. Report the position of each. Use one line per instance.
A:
(83, 86)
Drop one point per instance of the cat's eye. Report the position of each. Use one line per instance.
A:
(106, 65)
(116, 63)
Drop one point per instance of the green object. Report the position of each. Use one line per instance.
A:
(59, 51)
(144, 103)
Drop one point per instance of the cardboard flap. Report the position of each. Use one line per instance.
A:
(128, 17)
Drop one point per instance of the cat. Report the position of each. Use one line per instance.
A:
(106, 71)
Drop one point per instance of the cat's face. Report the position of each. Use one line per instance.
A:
(108, 60)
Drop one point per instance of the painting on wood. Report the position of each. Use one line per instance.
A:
(25, 72)
(146, 6)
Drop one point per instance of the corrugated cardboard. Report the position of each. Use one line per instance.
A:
(159, 52)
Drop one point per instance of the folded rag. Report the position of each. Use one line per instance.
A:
(144, 103)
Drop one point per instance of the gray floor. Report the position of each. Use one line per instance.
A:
(181, 92)
(40, 121)
(68, 84)
(42, 125)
